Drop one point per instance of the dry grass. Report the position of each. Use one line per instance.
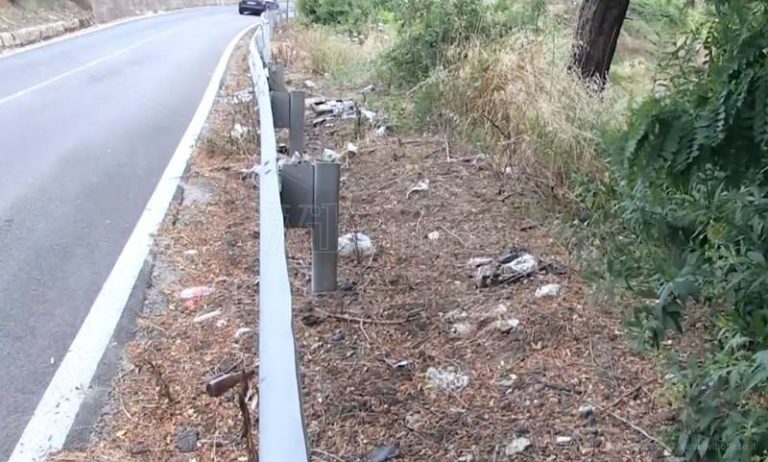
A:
(519, 102)
(323, 53)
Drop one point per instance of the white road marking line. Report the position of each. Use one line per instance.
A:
(48, 428)
(70, 72)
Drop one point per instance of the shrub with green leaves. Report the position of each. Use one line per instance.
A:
(692, 193)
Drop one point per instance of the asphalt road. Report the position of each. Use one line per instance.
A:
(87, 126)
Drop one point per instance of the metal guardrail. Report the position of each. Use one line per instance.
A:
(282, 434)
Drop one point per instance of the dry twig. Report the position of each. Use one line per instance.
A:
(345, 317)
(640, 430)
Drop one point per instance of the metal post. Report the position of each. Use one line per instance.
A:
(266, 32)
(325, 227)
(296, 134)
(277, 77)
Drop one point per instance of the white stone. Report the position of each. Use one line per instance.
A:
(517, 446)
(509, 381)
(549, 291)
(506, 325)
(563, 440)
(448, 379)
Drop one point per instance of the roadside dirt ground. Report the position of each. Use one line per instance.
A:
(534, 378)
(409, 359)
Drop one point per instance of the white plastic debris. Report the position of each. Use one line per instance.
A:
(191, 252)
(329, 155)
(239, 131)
(336, 108)
(460, 330)
(479, 261)
(382, 131)
(369, 115)
(549, 290)
(207, 316)
(448, 379)
(351, 149)
(242, 331)
(356, 245)
(508, 382)
(506, 325)
(499, 311)
(433, 236)
(310, 84)
(195, 292)
(563, 439)
(421, 186)
(456, 315)
(517, 446)
(483, 275)
(401, 364)
(242, 96)
(586, 410)
(414, 422)
(524, 264)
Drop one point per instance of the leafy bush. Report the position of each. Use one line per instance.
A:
(692, 190)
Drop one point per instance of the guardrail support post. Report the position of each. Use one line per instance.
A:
(296, 133)
(277, 77)
(325, 227)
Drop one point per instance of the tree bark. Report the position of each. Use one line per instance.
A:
(595, 39)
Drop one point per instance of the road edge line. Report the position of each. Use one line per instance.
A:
(55, 413)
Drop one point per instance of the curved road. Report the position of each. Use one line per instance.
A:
(87, 127)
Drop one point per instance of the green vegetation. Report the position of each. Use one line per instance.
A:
(672, 157)
(692, 187)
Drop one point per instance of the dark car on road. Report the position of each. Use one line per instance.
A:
(253, 6)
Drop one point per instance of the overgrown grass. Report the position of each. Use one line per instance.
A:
(521, 107)
(322, 51)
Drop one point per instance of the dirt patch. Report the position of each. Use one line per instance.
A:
(160, 410)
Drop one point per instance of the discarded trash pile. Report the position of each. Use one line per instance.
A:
(512, 266)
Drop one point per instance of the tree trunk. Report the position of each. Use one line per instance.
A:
(596, 36)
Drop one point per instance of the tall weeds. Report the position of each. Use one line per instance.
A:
(520, 105)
